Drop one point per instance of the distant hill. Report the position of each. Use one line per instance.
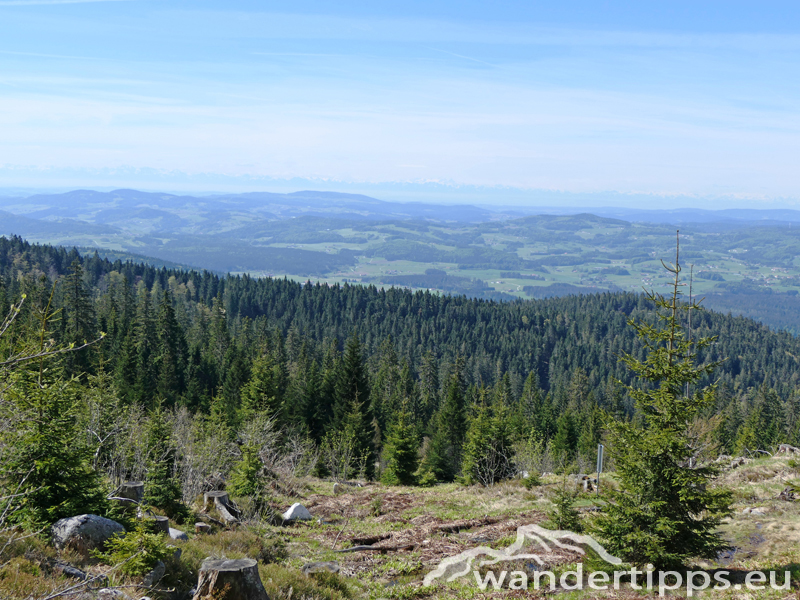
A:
(501, 253)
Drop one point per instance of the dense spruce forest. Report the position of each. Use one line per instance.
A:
(423, 386)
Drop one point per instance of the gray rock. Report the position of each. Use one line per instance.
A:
(84, 533)
(155, 575)
(337, 488)
(738, 462)
(758, 510)
(109, 594)
(177, 534)
(68, 570)
(297, 512)
(73, 572)
(320, 567)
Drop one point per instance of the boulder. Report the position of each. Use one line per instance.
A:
(297, 512)
(177, 534)
(109, 594)
(758, 511)
(154, 576)
(320, 567)
(84, 533)
(337, 488)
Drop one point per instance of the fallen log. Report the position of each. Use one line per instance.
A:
(381, 549)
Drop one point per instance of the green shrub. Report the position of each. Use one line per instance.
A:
(282, 583)
(531, 481)
(136, 552)
(563, 516)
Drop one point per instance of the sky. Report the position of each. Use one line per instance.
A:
(695, 103)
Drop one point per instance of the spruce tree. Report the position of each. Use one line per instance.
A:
(566, 439)
(171, 352)
(144, 349)
(49, 464)
(162, 488)
(666, 511)
(351, 410)
(79, 320)
(442, 461)
(400, 450)
(45, 471)
(488, 447)
(245, 478)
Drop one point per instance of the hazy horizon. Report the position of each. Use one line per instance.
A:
(515, 103)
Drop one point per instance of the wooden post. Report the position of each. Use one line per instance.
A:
(229, 580)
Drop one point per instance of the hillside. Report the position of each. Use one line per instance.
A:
(743, 261)
(225, 323)
(462, 408)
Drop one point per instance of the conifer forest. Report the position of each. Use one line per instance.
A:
(118, 371)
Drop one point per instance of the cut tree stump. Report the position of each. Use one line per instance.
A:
(219, 500)
(133, 490)
(229, 580)
(161, 524)
(202, 528)
(130, 495)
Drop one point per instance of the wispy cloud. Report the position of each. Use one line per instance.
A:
(45, 2)
(483, 62)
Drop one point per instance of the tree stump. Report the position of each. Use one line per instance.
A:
(133, 490)
(229, 580)
(202, 528)
(161, 524)
(131, 494)
(219, 500)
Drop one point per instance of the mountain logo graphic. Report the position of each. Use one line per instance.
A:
(453, 567)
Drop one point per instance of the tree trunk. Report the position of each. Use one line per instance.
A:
(230, 580)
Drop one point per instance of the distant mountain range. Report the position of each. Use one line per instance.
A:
(120, 206)
(482, 251)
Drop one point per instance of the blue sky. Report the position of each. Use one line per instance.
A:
(520, 100)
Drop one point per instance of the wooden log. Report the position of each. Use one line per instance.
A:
(229, 580)
(381, 549)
